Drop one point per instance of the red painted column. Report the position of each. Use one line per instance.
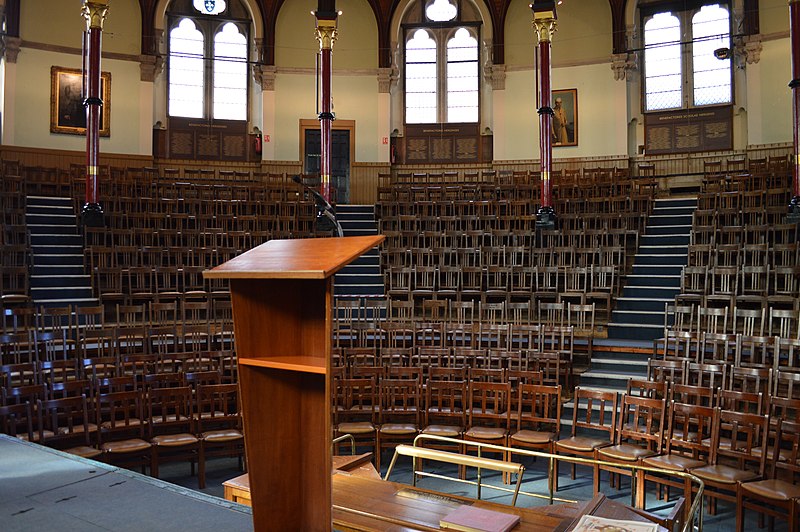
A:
(326, 35)
(94, 11)
(544, 22)
(794, 33)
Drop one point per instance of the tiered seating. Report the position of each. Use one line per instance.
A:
(15, 244)
(478, 242)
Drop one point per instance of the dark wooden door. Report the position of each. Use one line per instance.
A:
(340, 163)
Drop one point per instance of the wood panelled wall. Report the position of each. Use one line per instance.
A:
(63, 159)
(364, 182)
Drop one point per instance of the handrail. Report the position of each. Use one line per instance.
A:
(340, 439)
(416, 451)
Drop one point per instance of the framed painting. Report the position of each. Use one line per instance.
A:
(67, 113)
(565, 117)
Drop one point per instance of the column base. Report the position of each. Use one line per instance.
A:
(92, 215)
(546, 218)
(793, 217)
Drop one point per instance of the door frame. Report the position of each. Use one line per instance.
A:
(313, 123)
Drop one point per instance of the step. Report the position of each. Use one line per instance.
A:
(662, 220)
(360, 269)
(665, 249)
(51, 229)
(48, 200)
(649, 317)
(75, 281)
(657, 270)
(55, 240)
(57, 259)
(656, 278)
(60, 217)
(75, 302)
(661, 259)
(57, 269)
(358, 290)
(664, 240)
(677, 229)
(356, 216)
(63, 293)
(672, 210)
(638, 303)
(655, 292)
(50, 210)
(353, 208)
(635, 331)
(677, 202)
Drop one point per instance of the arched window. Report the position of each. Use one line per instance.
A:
(681, 68)
(207, 66)
(441, 66)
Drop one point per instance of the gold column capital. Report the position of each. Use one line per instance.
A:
(545, 25)
(326, 33)
(94, 11)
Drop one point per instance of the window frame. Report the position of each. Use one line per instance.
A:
(209, 26)
(441, 33)
(685, 12)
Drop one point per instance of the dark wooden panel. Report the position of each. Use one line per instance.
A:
(689, 131)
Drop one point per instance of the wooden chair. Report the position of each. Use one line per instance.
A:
(778, 495)
(488, 414)
(537, 416)
(738, 455)
(120, 417)
(400, 411)
(64, 425)
(599, 415)
(445, 413)
(16, 421)
(356, 410)
(171, 431)
(687, 446)
(218, 423)
(639, 435)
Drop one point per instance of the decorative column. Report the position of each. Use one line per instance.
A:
(794, 33)
(326, 35)
(544, 22)
(94, 11)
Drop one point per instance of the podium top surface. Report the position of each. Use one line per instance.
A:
(307, 258)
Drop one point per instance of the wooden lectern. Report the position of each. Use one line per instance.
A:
(282, 296)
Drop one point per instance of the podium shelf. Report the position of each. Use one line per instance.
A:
(289, 363)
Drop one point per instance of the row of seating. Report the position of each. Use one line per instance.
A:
(136, 427)
(694, 320)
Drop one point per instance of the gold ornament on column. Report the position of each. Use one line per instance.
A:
(326, 33)
(545, 26)
(95, 13)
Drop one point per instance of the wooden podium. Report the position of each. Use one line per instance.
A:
(282, 296)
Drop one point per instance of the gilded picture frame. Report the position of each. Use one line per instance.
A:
(565, 117)
(67, 113)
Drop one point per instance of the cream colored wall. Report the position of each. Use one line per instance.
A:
(601, 113)
(583, 33)
(769, 109)
(32, 127)
(355, 47)
(121, 32)
(773, 16)
(354, 98)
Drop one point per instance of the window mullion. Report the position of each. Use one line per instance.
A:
(441, 69)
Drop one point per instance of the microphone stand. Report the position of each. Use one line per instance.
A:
(326, 215)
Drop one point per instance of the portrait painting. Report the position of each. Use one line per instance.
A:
(67, 113)
(565, 117)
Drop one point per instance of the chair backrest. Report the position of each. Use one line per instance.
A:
(400, 400)
(217, 406)
(538, 407)
(169, 410)
(692, 395)
(740, 401)
(785, 462)
(489, 404)
(444, 402)
(740, 438)
(690, 430)
(641, 422)
(599, 411)
(647, 388)
(64, 422)
(120, 414)
(16, 420)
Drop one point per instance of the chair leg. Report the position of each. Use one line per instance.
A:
(153, 462)
(596, 480)
(201, 466)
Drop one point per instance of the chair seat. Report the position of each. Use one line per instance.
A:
(398, 428)
(580, 444)
(168, 419)
(773, 489)
(222, 435)
(447, 431)
(673, 462)
(624, 452)
(132, 422)
(533, 437)
(133, 445)
(36, 435)
(722, 474)
(356, 427)
(84, 451)
(486, 433)
(77, 429)
(173, 440)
